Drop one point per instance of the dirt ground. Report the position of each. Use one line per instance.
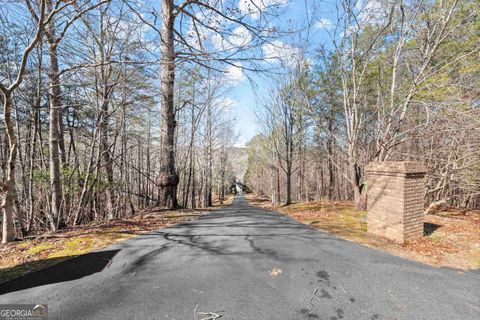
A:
(20, 257)
(451, 238)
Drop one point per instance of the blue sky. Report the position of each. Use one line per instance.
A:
(243, 106)
(243, 95)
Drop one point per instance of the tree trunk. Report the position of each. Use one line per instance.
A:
(54, 134)
(167, 180)
(355, 178)
(8, 200)
(277, 173)
(272, 180)
(331, 177)
(208, 180)
(274, 190)
(33, 145)
(56, 127)
(193, 197)
(107, 159)
(17, 207)
(222, 177)
(289, 184)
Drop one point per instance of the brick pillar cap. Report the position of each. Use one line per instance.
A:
(396, 167)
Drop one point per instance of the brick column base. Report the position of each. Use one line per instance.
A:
(395, 200)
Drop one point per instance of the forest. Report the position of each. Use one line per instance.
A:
(397, 81)
(83, 137)
(114, 107)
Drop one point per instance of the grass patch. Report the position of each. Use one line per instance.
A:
(39, 248)
(475, 258)
(74, 247)
(350, 227)
(437, 237)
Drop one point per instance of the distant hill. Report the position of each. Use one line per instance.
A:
(238, 156)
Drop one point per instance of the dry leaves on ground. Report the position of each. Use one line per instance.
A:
(35, 253)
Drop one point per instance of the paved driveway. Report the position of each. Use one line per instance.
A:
(246, 263)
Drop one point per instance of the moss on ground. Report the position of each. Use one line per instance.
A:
(39, 248)
(74, 247)
(475, 258)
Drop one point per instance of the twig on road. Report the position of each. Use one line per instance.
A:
(396, 301)
(313, 295)
(109, 262)
(211, 315)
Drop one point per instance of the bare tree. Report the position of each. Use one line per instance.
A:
(282, 121)
(8, 89)
(179, 44)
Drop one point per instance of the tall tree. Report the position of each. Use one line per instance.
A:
(7, 90)
(168, 178)
(201, 14)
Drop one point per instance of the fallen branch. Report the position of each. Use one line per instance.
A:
(313, 295)
(211, 315)
(109, 262)
(437, 206)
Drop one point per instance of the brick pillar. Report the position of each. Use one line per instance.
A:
(395, 200)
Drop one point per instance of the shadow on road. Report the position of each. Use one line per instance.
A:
(68, 270)
(238, 231)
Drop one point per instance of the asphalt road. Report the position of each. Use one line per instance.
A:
(246, 263)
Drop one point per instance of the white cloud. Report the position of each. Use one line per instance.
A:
(198, 34)
(218, 41)
(368, 12)
(234, 74)
(324, 23)
(240, 37)
(277, 51)
(372, 11)
(255, 7)
(133, 28)
(226, 103)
